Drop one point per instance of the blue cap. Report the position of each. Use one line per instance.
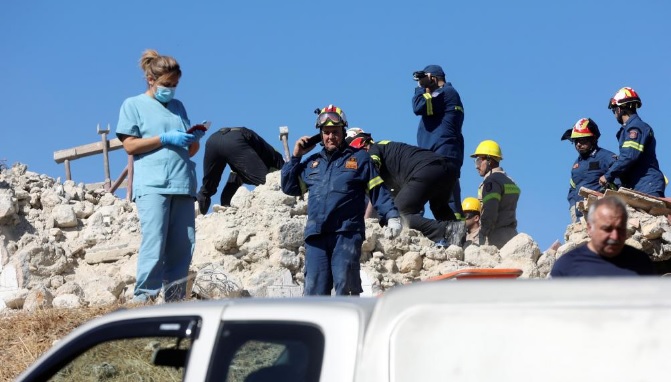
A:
(435, 70)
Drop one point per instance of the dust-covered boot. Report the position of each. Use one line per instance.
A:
(455, 232)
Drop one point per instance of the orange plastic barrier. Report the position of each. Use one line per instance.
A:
(479, 273)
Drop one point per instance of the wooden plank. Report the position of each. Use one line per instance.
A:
(586, 192)
(95, 186)
(666, 201)
(660, 211)
(85, 150)
(636, 200)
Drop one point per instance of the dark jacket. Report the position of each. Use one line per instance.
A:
(337, 185)
(637, 165)
(586, 172)
(397, 162)
(499, 195)
(440, 126)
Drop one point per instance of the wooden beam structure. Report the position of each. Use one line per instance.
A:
(61, 156)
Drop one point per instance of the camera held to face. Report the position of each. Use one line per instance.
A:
(418, 75)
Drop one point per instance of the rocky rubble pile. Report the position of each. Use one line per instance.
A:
(62, 245)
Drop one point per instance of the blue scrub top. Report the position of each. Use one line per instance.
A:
(167, 170)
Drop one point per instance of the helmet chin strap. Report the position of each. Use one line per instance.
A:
(488, 169)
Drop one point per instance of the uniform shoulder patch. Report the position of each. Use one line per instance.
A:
(576, 165)
(633, 134)
(351, 163)
(314, 164)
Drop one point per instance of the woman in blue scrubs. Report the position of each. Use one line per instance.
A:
(152, 127)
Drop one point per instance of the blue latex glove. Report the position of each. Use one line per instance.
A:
(177, 138)
(198, 134)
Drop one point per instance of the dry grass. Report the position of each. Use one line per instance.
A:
(26, 336)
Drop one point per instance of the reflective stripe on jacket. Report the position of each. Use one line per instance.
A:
(637, 165)
(499, 195)
(442, 116)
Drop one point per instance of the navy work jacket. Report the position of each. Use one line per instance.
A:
(442, 116)
(637, 165)
(338, 184)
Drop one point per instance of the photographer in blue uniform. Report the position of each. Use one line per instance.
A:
(593, 161)
(442, 115)
(637, 165)
(338, 178)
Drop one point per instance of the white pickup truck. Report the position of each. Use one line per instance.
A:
(478, 330)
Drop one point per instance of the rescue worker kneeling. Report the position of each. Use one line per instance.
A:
(337, 179)
(416, 176)
(250, 157)
(498, 195)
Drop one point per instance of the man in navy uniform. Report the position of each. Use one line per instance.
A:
(637, 165)
(442, 115)
(338, 179)
(593, 161)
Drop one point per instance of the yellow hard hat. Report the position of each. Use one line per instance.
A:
(488, 148)
(471, 204)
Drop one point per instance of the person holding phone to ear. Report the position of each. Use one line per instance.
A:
(153, 128)
(337, 178)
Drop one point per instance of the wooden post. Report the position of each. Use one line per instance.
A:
(129, 182)
(119, 181)
(103, 136)
(68, 175)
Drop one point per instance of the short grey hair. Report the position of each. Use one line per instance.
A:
(611, 201)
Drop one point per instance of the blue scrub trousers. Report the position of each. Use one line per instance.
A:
(333, 259)
(168, 240)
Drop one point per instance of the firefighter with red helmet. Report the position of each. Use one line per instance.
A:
(636, 165)
(416, 176)
(593, 161)
(338, 179)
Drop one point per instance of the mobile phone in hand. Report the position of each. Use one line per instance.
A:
(203, 126)
(313, 140)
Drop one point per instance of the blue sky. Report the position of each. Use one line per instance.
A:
(526, 71)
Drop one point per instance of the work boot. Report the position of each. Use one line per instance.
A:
(203, 203)
(455, 232)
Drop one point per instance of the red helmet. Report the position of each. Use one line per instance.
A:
(585, 127)
(357, 138)
(330, 116)
(625, 96)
